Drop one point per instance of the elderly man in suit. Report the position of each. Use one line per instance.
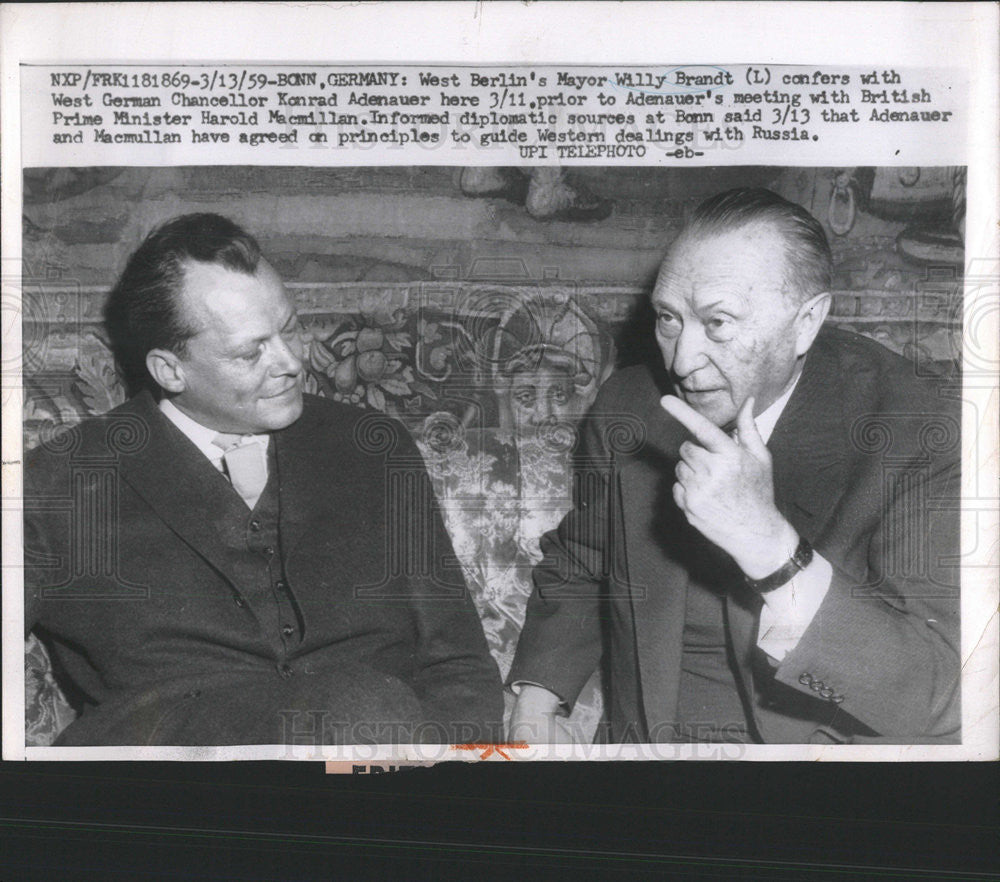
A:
(226, 560)
(764, 545)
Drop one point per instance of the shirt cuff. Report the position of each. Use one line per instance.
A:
(515, 687)
(789, 610)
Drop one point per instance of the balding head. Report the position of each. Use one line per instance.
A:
(806, 253)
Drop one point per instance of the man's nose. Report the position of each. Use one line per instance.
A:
(542, 411)
(288, 356)
(689, 351)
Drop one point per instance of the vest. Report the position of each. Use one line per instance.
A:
(710, 703)
(253, 539)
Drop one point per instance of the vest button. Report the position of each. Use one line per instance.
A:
(239, 601)
(288, 630)
(268, 551)
(255, 525)
(280, 585)
(285, 671)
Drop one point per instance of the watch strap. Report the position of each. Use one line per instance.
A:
(799, 560)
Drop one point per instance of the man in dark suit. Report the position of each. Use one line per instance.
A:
(768, 553)
(225, 560)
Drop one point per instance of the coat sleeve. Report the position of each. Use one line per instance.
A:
(561, 643)
(884, 645)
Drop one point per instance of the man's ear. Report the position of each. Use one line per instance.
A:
(165, 367)
(809, 320)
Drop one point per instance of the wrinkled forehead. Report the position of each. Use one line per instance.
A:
(747, 263)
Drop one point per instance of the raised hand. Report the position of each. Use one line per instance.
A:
(725, 487)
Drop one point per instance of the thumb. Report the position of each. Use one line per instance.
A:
(747, 428)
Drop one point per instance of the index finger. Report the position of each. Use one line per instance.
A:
(709, 435)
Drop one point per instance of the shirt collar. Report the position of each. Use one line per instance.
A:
(199, 435)
(767, 420)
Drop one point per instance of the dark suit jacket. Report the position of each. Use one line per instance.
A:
(866, 467)
(128, 580)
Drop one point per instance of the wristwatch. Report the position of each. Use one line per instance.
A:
(795, 564)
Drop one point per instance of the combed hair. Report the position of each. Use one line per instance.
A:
(143, 310)
(807, 255)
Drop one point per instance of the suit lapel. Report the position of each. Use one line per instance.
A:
(191, 496)
(657, 583)
(807, 449)
(187, 493)
(304, 490)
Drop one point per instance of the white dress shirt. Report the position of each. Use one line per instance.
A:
(203, 437)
